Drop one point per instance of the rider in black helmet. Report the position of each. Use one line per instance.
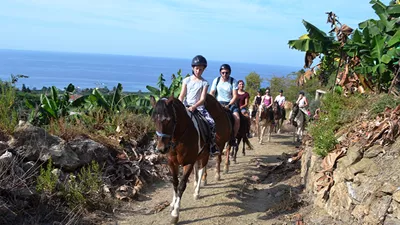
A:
(225, 89)
(193, 94)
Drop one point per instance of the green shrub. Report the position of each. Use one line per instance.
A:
(384, 101)
(47, 180)
(8, 113)
(84, 189)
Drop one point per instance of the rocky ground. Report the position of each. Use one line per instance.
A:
(262, 188)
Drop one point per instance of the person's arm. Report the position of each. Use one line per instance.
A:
(271, 102)
(246, 102)
(305, 102)
(202, 99)
(213, 87)
(283, 102)
(234, 93)
(183, 91)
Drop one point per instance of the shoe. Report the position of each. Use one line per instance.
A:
(214, 151)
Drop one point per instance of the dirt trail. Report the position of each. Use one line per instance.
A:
(248, 194)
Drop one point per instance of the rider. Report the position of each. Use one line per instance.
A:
(243, 101)
(281, 102)
(194, 88)
(225, 89)
(302, 102)
(266, 103)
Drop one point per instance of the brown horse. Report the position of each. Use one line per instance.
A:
(278, 116)
(265, 122)
(180, 139)
(254, 119)
(224, 129)
(242, 135)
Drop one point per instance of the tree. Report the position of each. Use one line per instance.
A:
(253, 83)
(23, 89)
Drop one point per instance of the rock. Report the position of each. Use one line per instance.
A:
(395, 207)
(5, 160)
(374, 151)
(28, 165)
(378, 210)
(279, 193)
(366, 166)
(339, 204)
(30, 141)
(388, 188)
(396, 196)
(391, 221)
(352, 156)
(88, 150)
(360, 211)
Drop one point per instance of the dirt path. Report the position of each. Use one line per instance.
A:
(259, 189)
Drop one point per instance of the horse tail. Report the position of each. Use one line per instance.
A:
(246, 140)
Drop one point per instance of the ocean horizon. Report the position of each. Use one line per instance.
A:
(89, 70)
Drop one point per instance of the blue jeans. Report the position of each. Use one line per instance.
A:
(233, 107)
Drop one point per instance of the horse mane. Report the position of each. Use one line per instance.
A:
(161, 107)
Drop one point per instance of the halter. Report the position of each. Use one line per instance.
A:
(171, 136)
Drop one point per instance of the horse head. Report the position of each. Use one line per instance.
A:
(165, 120)
(293, 114)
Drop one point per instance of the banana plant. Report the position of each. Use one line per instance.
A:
(165, 91)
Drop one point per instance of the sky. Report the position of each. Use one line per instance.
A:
(248, 31)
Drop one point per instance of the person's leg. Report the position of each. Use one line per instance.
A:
(211, 123)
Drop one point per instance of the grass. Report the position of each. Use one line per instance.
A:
(8, 113)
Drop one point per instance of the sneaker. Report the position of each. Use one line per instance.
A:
(214, 151)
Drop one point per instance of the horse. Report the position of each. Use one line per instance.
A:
(264, 123)
(254, 128)
(278, 116)
(242, 135)
(178, 137)
(298, 120)
(224, 129)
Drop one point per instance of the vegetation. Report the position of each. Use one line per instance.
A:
(253, 84)
(357, 60)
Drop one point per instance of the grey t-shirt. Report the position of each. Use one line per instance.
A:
(194, 89)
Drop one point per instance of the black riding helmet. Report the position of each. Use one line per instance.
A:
(199, 60)
(226, 67)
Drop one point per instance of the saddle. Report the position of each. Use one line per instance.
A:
(204, 128)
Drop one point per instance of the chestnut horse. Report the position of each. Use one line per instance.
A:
(224, 129)
(178, 136)
(265, 122)
(278, 116)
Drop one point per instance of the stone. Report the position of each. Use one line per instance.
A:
(378, 210)
(391, 221)
(388, 188)
(339, 203)
(366, 166)
(360, 211)
(374, 151)
(395, 207)
(396, 196)
(352, 156)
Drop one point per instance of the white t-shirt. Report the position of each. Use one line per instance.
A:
(280, 99)
(194, 89)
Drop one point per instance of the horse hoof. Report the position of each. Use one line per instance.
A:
(244, 154)
(217, 177)
(174, 220)
(196, 197)
(203, 183)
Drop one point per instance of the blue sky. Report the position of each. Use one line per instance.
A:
(225, 30)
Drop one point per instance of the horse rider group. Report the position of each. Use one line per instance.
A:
(228, 92)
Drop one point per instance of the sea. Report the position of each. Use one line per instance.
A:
(46, 69)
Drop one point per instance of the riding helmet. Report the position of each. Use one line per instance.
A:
(226, 67)
(199, 60)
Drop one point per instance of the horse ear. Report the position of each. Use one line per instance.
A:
(152, 101)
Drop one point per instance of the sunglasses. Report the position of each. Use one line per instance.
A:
(223, 73)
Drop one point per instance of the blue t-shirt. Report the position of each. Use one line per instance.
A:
(224, 89)
(194, 89)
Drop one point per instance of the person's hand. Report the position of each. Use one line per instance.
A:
(227, 107)
(192, 108)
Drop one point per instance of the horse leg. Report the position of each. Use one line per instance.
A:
(204, 177)
(174, 171)
(270, 132)
(262, 134)
(181, 188)
(227, 160)
(200, 171)
(218, 167)
(196, 175)
(244, 147)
